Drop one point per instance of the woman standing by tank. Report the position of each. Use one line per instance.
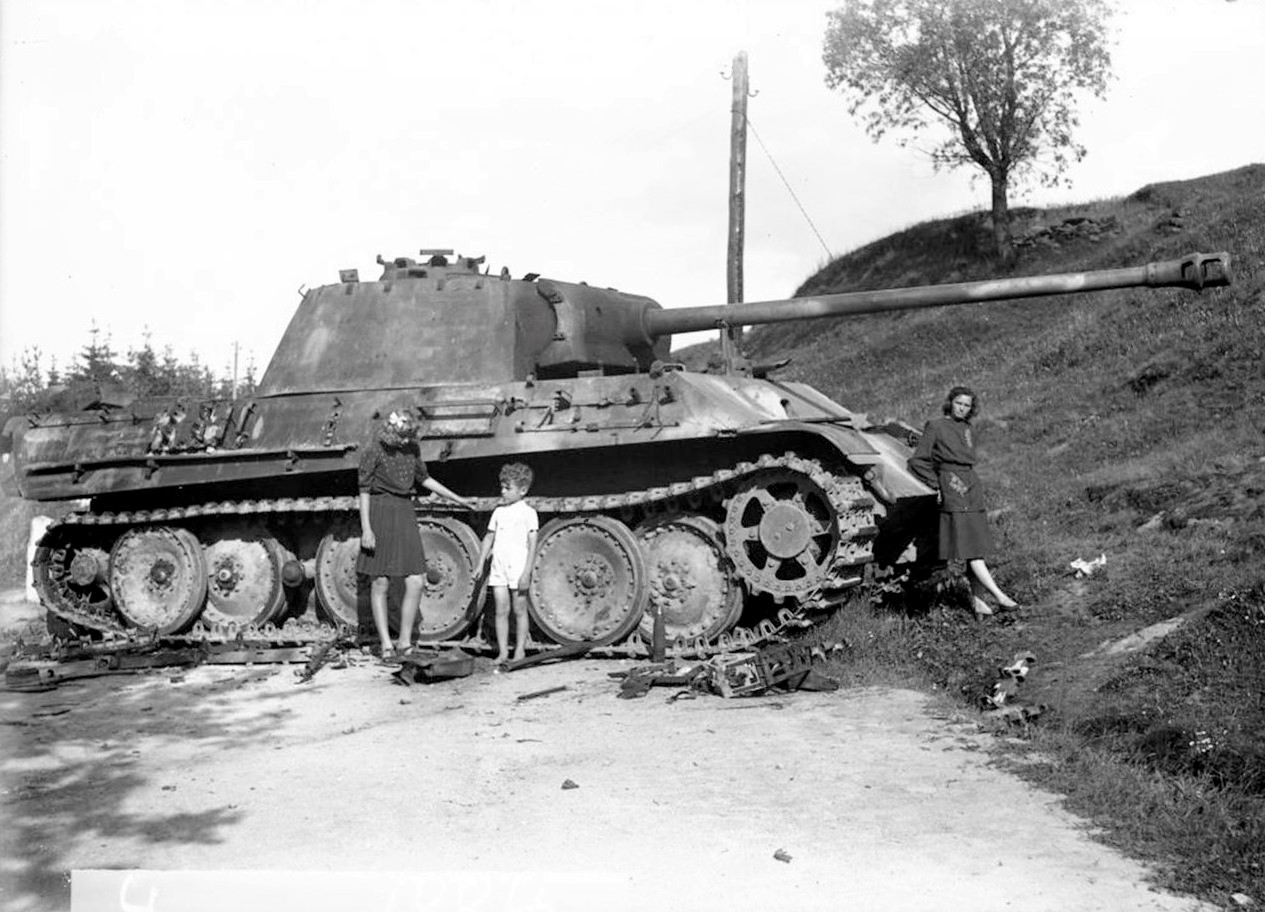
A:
(945, 460)
(391, 469)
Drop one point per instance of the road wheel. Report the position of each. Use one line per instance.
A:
(243, 577)
(690, 579)
(588, 581)
(158, 577)
(452, 576)
(335, 582)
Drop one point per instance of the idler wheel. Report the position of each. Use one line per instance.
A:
(451, 578)
(588, 581)
(781, 532)
(158, 576)
(244, 585)
(689, 578)
(88, 566)
(71, 576)
(335, 582)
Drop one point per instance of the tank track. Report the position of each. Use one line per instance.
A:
(852, 506)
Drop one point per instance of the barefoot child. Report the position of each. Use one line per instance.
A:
(511, 543)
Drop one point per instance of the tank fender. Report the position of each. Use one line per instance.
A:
(879, 459)
(892, 470)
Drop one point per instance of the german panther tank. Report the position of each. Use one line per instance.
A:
(732, 503)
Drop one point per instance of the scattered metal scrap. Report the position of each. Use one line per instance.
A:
(786, 666)
(427, 667)
(542, 693)
(638, 681)
(37, 676)
(319, 657)
(1082, 568)
(1009, 678)
(1003, 704)
(573, 651)
(42, 666)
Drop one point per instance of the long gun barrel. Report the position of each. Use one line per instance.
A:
(1195, 271)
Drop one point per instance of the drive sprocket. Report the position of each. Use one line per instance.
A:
(797, 531)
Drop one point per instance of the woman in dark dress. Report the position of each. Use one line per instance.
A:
(391, 469)
(945, 460)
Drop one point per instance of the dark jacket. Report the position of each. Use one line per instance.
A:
(945, 460)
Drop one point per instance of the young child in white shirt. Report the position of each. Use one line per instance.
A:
(511, 543)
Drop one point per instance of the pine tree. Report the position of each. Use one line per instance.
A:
(95, 363)
(144, 379)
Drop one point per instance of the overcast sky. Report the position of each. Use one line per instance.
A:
(184, 167)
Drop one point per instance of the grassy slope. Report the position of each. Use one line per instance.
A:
(1100, 412)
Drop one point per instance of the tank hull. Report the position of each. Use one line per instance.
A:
(293, 444)
(637, 450)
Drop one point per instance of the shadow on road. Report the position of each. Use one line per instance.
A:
(72, 764)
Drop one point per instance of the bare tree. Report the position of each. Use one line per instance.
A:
(1002, 75)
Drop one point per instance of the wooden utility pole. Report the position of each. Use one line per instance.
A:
(732, 335)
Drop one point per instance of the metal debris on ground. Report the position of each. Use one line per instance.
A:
(317, 661)
(737, 674)
(541, 693)
(1082, 568)
(1003, 703)
(1006, 689)
(427, 667)
(825, 651)
(782, 666)
(1019, 716)
(782, 855)
(574, 651)
(568, 784)
(28, 680)
(45, 675)
(43, 666)
(638, 681)
(682, 695)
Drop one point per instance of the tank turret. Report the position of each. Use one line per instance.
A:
(733, 505)
(436, 322)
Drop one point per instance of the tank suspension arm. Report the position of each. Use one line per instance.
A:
(1195, 271)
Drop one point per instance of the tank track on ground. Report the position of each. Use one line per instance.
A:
(852, 506)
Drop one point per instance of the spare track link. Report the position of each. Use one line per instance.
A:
(845, 491)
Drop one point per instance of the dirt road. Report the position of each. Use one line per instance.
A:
(354, 792)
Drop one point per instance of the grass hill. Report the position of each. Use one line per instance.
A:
(1126, 424)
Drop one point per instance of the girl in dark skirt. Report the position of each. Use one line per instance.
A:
(391, 469)
(945, 460)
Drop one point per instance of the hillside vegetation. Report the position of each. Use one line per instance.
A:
(1123, 424)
